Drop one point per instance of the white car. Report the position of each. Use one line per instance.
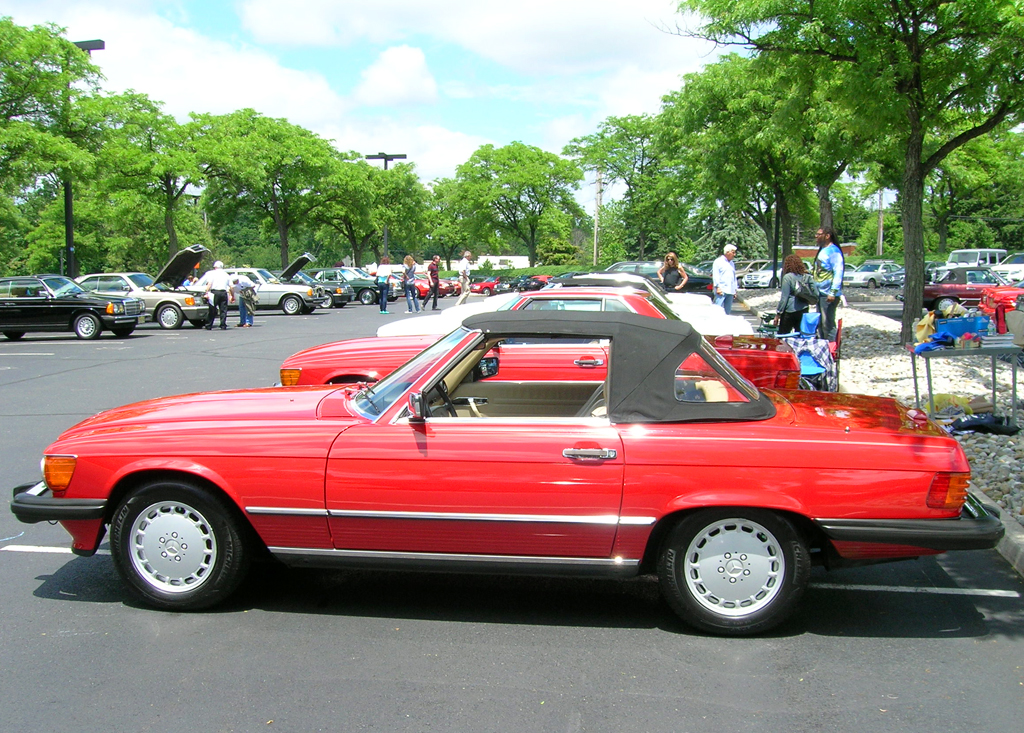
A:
(761, 278)
(869, 275)
(1011, 268)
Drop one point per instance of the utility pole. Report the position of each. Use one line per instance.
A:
(386, 157)
(597, 212)
(881, 225)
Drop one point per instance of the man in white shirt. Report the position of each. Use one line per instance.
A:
(723, 277)
(464, 276)
(217, 284)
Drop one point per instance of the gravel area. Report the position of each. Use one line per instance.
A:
(873, 362)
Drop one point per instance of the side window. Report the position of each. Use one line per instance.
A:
(90, 283)
(697, 381)
(112, 283)
(616, 305)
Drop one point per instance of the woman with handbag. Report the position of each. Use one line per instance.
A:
(412, 295)
(792, 300)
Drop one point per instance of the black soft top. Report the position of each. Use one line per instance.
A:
(644, 357)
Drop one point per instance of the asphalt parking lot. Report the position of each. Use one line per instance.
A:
(932, 644)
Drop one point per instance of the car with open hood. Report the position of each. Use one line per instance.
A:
(766, 362)
(338, 293)
(166, 302)
(31, 303)
(363, 284)
(674, 464)
(276, 293)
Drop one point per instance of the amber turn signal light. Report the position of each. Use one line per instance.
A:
(290, 377)
(57, 471)
(948, 490)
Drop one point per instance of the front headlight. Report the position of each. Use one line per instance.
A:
(115, 309)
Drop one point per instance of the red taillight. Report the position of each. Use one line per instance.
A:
(787, 380)
(948, 490)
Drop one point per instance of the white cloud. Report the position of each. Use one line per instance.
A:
(399, 76)
(530, 36)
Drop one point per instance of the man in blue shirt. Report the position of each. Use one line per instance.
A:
(829, 264)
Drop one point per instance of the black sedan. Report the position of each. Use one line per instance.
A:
(57, 303)
(696, 281)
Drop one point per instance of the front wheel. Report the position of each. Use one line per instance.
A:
(87, 326)
(177, 546)
(734, 571)
(942, 305)
(291, 305)
(170, 317)
(367, 296)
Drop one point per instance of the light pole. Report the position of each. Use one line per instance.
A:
(386, 157)
(69, 212)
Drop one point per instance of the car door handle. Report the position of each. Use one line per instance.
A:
(588, 361)
(600, 453)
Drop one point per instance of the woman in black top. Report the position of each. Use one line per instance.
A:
(791, 309)
(671, 274)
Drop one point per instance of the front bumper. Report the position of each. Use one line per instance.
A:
(976, 529)
(34, 503)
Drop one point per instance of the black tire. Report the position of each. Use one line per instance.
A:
(758, 565)
(88, 326)
(177, 546)
(941, 304)
(14, 335)
(169, 316)
(368, 296)
(291, 305)
(486, 292)
(123, 331)
(872, 284)
(197, 324)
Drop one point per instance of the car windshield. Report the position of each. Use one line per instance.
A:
(304, 277)
(869, 267)
(141, 279)
(376, 400)
(267, 276)
(62, 286)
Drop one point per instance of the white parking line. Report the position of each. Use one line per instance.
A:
(43, 549)
(25, 353)
(915, 589)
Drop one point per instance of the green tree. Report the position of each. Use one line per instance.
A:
(510, 188)
(268, 164)
(928, 76)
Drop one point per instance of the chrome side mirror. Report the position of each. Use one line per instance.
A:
(417, 410)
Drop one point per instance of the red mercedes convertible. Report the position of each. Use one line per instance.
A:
(767, 362)
(674, 464)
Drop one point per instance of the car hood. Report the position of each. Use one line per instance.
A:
(183, 262)
(297, 264)
(358, 351)
(274, 403)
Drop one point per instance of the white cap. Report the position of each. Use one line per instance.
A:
(217, 265)
(728, 248)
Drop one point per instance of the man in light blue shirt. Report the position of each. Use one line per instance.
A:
(723, 278)
(829, 264)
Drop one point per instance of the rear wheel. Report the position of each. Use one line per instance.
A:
(943, 304)
(367, 296)
(170, 316)
(87, 326)
(177, 546)
(872, 284)
(485, 291)
(291, 305)
(14, 335)
(734, 571)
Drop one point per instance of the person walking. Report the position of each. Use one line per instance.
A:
(384, 283)
(829, 265)
(791, 309)
(434, 279)
(218, 284)
(464, 277)
(243, 290)
(412, 296)
(723, 278)
(672, 275)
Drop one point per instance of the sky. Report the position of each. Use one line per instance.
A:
(434, 80)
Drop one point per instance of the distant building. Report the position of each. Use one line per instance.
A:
(503, 262)
(810, 252)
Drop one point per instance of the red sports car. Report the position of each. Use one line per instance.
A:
(996, 301)
(767, 362)
(675, 464)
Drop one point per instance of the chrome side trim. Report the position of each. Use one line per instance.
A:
(604, 562)
(286, 511)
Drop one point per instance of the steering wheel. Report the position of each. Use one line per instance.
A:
(442, 389)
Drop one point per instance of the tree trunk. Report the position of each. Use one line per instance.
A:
(826, 217)
(785, 222)
(170, 199)
(912, 209)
